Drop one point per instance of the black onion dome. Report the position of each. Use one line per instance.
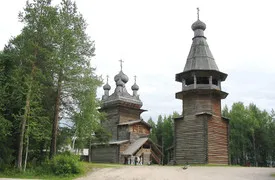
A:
(198, 25)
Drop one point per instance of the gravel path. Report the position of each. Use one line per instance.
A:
(176, 173)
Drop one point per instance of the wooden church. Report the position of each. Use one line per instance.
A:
(129, 133)
(201, 133)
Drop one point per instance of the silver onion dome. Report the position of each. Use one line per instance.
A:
(135, 87)
(107, 87)
(198, 25)
(121, 76)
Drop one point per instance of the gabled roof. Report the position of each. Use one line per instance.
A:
(135, 146)
(135, 122)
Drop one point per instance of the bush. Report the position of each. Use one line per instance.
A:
(66, 164)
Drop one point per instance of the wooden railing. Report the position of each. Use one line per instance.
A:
(155, 157)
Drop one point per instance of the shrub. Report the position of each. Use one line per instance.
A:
(66, 164)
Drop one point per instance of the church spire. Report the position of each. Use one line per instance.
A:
(200, 56)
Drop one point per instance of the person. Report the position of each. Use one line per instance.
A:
(129, 160)
(125, 160)
(132, 160)
(140, 160)
(135, 160)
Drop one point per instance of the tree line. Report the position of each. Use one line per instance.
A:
(251, 138)
(252, 135)
(46, 76)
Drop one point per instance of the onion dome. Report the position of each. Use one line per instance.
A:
(198, 25)
(107, 87)
(119, 83)
(121, 76)
(135, 87)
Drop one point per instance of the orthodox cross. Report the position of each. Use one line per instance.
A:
(121, 63)
(135, 77)
(198, 13)
(107, 78)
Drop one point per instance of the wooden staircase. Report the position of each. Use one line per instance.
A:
(155, 157)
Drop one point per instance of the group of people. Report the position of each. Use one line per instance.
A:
(134, 160)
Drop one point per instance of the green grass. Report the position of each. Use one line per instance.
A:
(32, 174)
(273, 175)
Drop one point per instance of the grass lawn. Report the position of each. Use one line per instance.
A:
(88, 167)
(273, 175)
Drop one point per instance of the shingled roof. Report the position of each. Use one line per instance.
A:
(135, 146)
(200, 56)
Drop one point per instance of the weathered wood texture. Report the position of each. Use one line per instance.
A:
(127, 114)
(217, 141)
(146, 157)
(190, 142)
(138, 130)
(201, 138)
(123, 132)
(107, 154)
(110, 124)
(122, 148)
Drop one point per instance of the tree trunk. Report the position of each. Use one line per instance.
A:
(27, 151)
(24, 121)
(254, 149)
(56, 119)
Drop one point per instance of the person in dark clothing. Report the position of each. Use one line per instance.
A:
(135, 160)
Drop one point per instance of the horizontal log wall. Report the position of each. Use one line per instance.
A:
(217, 141)
(123, 133)
(190, 140)
(111, 121)
(138, 130)
(127, 114)
(105, 154)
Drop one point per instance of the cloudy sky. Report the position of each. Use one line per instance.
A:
(154, 37)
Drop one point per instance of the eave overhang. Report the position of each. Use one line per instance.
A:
(216, 92)
(200, 73)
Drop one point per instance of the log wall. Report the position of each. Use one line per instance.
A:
(110, 124)
(217, 141)
(201, 138)
(126, 115)
(105, 154)
(190, 141)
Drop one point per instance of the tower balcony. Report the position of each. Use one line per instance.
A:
(200, 86)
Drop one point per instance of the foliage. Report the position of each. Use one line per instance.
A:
(162, 133)
(66, 164)
(251, 135)
(45, 76)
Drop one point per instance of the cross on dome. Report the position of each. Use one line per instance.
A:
(121, 61)
(198, 13)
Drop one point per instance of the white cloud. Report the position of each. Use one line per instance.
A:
(154, 38)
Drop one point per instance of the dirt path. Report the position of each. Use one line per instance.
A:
(177, 173)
